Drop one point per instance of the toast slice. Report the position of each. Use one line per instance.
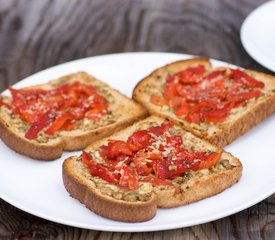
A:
(70, 112)
(218, 105)
(150, 164)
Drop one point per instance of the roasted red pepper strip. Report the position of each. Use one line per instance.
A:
(161, 168)
(139, 140)
(160, 130)
(140, 164)
(58, 123)
(245, 79)
(239, 98)
(88, 159)
(128, 179)
(218, 115)
(174, 141)
(209, 161)
(191, 75)
(102, 172)
(115, 149)
(39, 125)
(156, 181)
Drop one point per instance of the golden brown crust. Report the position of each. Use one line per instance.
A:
(201, 185)
(202, 188)
(223, 135)
(128, 112)
(23, 146)
(119, 210)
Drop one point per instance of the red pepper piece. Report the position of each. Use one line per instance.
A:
(88, 159)
(114, 149)
(101, 171)
(243, 78)
(39, 125)
(128, 179)
(156, 181)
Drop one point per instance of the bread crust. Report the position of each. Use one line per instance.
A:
(126, 109)
(199, 186)
(224, 134)
(28, 148)
(202, 188)
(105, 206)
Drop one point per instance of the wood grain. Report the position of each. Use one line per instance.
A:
(35, 35)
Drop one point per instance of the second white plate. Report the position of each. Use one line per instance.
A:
(258, 35)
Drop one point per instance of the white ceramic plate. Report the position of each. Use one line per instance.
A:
(36, 186)
(258, 35)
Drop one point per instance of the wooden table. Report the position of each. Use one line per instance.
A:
(35, 35)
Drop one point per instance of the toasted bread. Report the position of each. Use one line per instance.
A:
(121, 113)
(140, 204)
(240, 119)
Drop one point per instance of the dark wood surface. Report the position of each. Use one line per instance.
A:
(37, 34)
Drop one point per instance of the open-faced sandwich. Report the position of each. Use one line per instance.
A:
(217, 104)
(64, 114)
(150, 164)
